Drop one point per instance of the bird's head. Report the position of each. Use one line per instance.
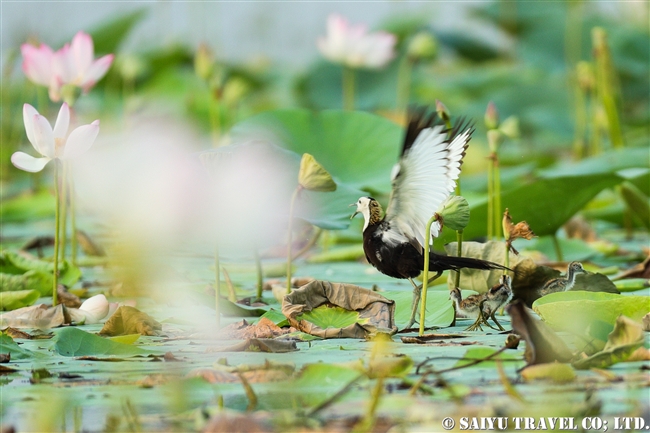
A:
(454, 295)
(576, 268)
(369, 208)
(501, 290)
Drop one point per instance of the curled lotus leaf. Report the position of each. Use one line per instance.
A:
(313, 176)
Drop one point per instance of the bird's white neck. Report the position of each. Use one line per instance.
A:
(366, 217)
(570, 279)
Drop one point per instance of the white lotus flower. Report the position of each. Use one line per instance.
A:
(53, 143)
(354, 46)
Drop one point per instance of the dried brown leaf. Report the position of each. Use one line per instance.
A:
(129, 320)
(542, 343)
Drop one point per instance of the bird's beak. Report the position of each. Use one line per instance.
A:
(355, 212)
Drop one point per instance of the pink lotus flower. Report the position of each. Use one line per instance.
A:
(74, 64)
(53, 143)
(354, 46)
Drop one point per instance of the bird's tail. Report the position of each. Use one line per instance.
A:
(442, 263)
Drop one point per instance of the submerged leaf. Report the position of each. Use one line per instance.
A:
(326, 317)
(313, 176)
(357, 312)
(487, 357)
(261, 345)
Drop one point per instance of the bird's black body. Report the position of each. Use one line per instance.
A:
(405, 261)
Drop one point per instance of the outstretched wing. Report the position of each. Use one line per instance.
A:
(426, 174)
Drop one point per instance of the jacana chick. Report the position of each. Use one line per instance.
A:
(563, 284)
(469, 307)
(498, 296)
(422, 180)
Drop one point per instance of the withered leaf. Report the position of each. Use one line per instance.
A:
(542, 343)
(129, 320)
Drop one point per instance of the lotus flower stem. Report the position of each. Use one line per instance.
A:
(291, 208)
(490, 202)
(217, 283)
(558, 250)
(581, 122)
(425, 281)
(57, 228)
(606, 85)
(348, 88)
(215, 119)
(404, 76)
(73, 219)
(497, 195)
(64, 214)
(260, 275)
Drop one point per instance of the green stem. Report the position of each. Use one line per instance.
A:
(64, 213)
(581, 122)
(497, 195)
(293, 202)
(404, 76)
(260, 275)
(215, 117)
(73, 219)
(57, 228)
(217, 283)
(459, 253)
(348, 88)
(425, 281)
(490, 203)
(507, 259)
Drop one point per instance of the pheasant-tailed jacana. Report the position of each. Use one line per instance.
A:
(469, 307)
(422, 180)
(498, 296)
(563, 284)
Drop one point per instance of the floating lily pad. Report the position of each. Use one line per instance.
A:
(75, 342)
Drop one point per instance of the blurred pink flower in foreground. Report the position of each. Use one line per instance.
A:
(53, 143)
(354, 46)
(74, 64)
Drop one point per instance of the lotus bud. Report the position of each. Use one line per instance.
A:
(454, 213)
(442, 111)
(204, 62)
(130, 67)
(423, 46)
(234, 90)
(491, 116)
(312, 176)
(510, 127)
(91, 311)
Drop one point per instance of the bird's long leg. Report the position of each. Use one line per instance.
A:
(496, 322)
(417, 292)
(479, 320)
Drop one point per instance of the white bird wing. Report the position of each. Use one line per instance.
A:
(423, 179)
